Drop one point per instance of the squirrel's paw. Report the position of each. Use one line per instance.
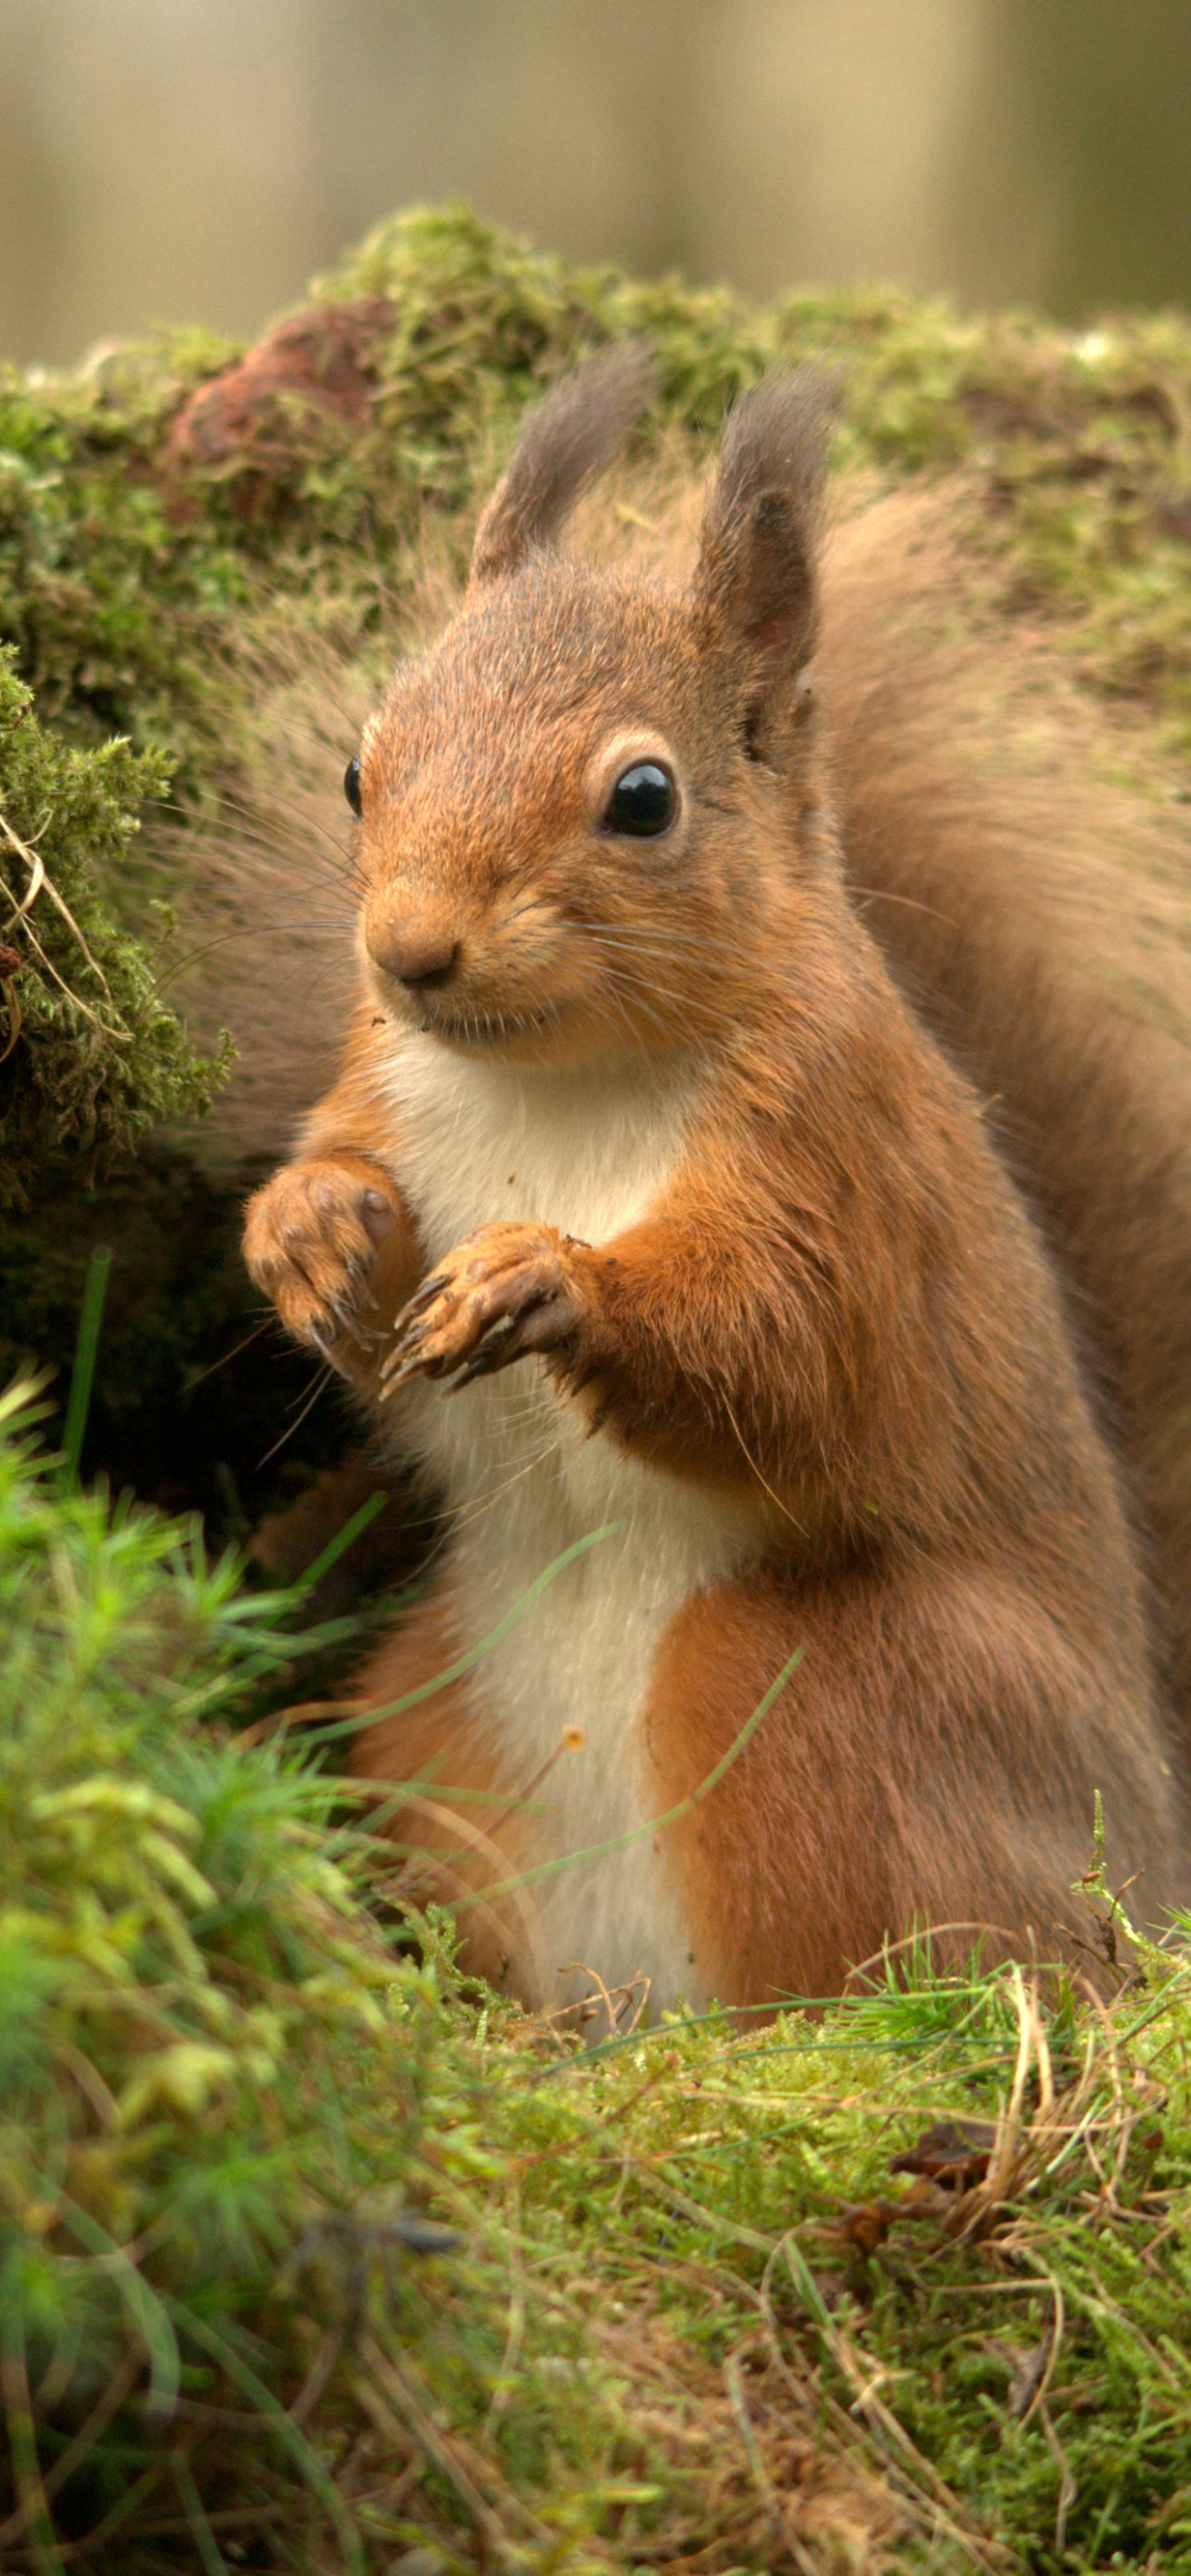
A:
(508, 1290)
(310, 1240)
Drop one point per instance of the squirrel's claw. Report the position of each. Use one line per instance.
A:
(494, 1350)
(508, 1291)
(426, 1294)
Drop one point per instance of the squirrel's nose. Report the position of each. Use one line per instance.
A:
(423, 956)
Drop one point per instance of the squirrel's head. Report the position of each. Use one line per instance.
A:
(580, 811)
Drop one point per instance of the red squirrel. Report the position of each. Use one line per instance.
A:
(648, 1203)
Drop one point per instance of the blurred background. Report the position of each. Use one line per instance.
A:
(197, 160)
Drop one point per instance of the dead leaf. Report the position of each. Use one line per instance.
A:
(954, 2153)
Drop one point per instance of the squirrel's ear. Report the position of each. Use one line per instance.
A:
(756, 577)
(571, 436)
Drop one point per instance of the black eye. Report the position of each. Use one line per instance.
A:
(351, 784)
(643, 801)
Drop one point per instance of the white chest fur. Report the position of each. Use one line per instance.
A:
(589, 1155)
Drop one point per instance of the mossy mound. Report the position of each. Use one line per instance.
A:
(143, 496)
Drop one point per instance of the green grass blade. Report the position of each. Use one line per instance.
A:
(339, 1545)
(214, 2562)
(302, 2453)
(82, 1378)
(464, 1663)
(144, 2308)
(655, 1824)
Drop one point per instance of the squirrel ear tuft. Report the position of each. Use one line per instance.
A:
(577, 431)
(755, 577)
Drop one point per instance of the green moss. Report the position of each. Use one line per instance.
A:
(222, 2094)
(123, 576)
(110, 604)
(125, 571)
(92, 1057)
(479, 320)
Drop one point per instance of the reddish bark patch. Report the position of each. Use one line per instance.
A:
(254, 424)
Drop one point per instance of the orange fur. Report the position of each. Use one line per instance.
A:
(923, 1766)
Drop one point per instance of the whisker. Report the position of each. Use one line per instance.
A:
(677, 944)
(280, 842)
(614, 988)
(226, 939)
(322, 1380)
(228, 1356)
(485, 1502)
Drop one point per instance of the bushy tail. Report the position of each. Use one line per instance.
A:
(1037, 911)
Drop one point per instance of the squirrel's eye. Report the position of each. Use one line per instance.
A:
(643, 801)
(351, 784)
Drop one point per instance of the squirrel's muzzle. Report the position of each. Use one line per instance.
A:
(421, 955)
